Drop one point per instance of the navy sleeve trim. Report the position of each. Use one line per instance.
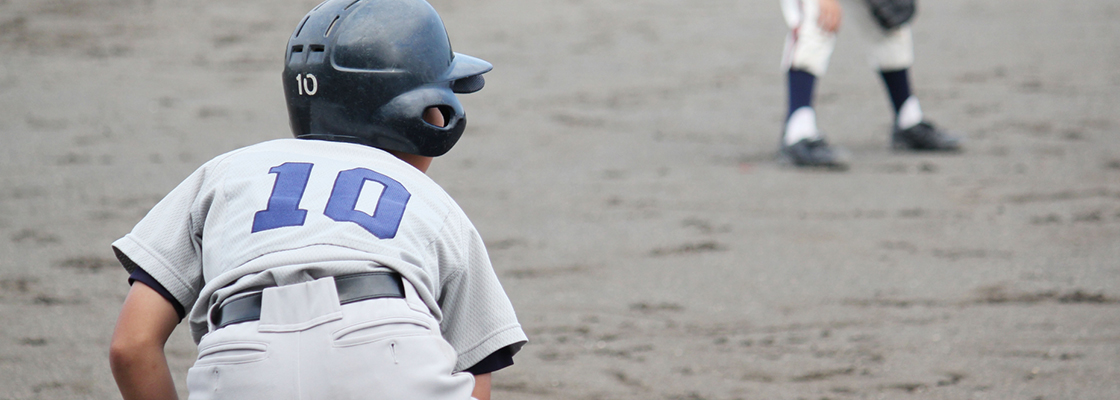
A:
(139, 275)
(493, 362)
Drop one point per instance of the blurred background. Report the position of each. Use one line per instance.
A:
(620, 164)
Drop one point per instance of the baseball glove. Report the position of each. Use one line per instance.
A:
(892, 13)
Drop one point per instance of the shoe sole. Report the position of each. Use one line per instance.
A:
(902, 145)
(785, 159)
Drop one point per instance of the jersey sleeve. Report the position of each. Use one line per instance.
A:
(493, 362)
(167, 242)
(478, 318)
(142, 276)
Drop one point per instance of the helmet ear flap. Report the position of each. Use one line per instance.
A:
(405, 112)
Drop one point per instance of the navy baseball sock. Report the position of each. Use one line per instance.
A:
(898, 85)
(800, 90)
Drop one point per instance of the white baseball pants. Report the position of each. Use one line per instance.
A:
(308, 347)
(809, 48)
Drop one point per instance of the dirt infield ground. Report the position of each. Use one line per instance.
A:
(620, 164)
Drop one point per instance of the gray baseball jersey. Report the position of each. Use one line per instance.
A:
(290, 210)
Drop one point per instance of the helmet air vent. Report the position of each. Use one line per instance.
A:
(329, 28)
(296, 56)
(317, 54)
(351, 5)
(301, 24)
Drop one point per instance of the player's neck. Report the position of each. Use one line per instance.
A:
(420, 162)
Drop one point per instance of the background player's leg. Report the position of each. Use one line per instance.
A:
(808, 50)
(801, 119)
(907, 111)
(894, 54)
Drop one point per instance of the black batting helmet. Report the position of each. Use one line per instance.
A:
(364, 71)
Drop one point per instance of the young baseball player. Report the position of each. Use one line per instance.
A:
(813, 27)
(327, 266)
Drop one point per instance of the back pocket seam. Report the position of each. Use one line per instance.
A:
(210, 355)
(339, 339)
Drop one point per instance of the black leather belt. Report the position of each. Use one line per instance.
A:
(351, 288)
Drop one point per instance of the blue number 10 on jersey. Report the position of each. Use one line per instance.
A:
(291, 180)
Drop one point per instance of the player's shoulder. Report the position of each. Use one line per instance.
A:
(304, 147)
(328, 157)
(306, 151)
(321, 154)
(337, 157)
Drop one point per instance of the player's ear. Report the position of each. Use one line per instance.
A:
(435, 116)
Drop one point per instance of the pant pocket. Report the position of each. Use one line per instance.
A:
(232, 353)
(241, 371)
(399, 367)
(380, 329)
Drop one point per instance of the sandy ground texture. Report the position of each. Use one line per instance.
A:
(621, 166)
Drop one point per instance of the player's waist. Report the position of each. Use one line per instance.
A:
(351, 288)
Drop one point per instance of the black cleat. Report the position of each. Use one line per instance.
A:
(924, 137)
(815, 153)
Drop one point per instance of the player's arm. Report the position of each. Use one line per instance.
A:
(830, 14)
(482, 370)
(481, 387)
(136, 353)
